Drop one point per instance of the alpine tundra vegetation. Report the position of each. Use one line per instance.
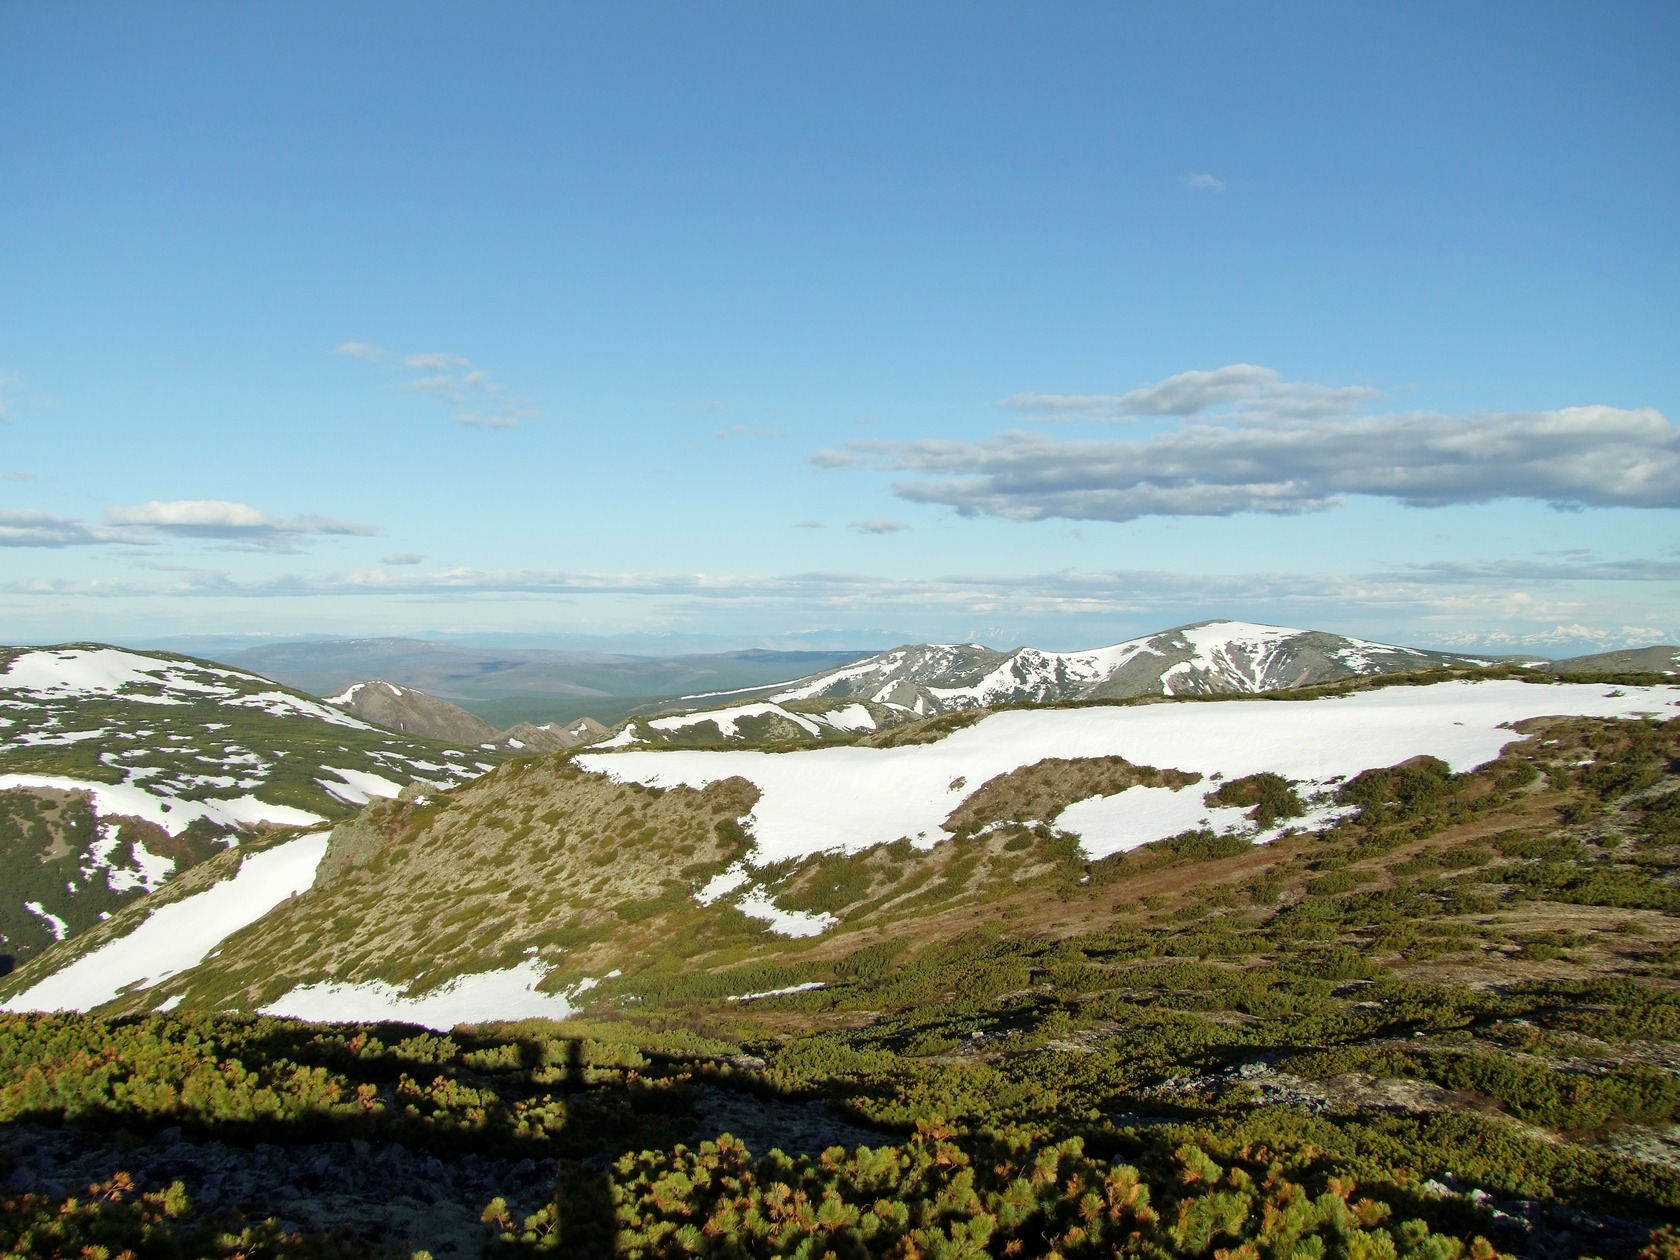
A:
(1374, 966)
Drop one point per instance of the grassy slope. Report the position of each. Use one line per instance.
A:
(1474, 981)
(45, 834)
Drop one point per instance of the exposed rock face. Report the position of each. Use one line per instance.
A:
(413, 713)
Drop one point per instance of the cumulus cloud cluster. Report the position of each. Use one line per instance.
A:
(475, 398)
(238, 525)
(1244, 440)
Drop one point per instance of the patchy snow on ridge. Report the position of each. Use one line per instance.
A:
(179, 935)
(280, 704)
(725, 719)
(623, 739)
(55, 925)
(797, 923)
(853, 798)
(66, 672)
(1139, 815)
(723, 884)
(474, 999)
(769, 993)
(172, 814)
(359, 786)
(849, 717)
(1209, 657)
(1239, 653)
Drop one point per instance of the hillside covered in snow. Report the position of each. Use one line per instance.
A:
(1208, 658)
(119, 769)
(582, 877)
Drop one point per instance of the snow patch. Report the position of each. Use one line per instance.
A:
(726, 719)
(758, 905)
(359, 786)
(851, 717)
(475, 999)
(179, 935)
(792, 988)
(174, 816)
(853, 798)
(57, 926)
(66, 672)
(1141, 815)
(722, 885)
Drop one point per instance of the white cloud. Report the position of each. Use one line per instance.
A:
(1606, 637)
(1239, 392)
(476, 399)
(1419, 605)
(402, 557)
(879, 525)
(446, 387)
(1248, 441)
(482, 420)
(28, 528)
(239, 523)
(1201, 181)
(808, 524)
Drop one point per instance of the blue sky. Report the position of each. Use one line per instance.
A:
(786, 323)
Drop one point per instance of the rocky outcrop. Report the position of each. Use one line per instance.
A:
(413, 713)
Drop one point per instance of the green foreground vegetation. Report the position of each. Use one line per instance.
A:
(1449, 1026)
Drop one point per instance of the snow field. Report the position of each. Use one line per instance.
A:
(179, 935)
(174, 816)
(105, 671)
(359, 787)
(757, 904)
(489, 995)
(727, 718)
(850, 717)
(852, 798)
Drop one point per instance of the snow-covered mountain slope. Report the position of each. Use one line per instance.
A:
(757, 722)
(552, 874)
(852, 798)
(1208, 658)
(120, 768)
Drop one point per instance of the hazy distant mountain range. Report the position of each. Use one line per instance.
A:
(507, 686)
